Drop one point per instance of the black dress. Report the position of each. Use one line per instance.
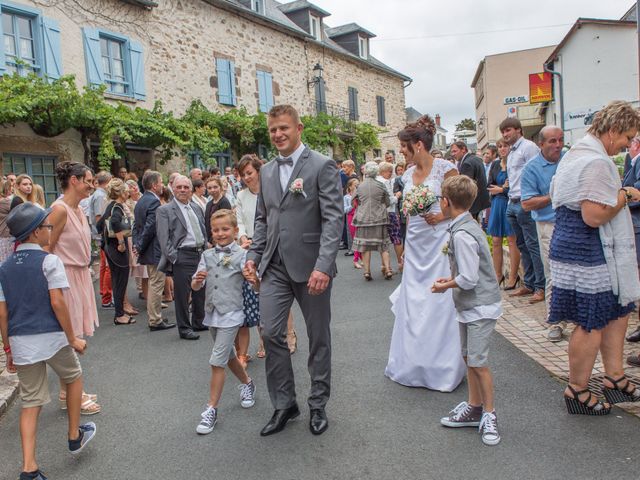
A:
(118, 261)
(213, 207)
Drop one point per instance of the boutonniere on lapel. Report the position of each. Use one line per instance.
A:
(297, 186)
(445, 249)
(226, 261)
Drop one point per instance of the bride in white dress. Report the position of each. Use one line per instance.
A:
(425, 345)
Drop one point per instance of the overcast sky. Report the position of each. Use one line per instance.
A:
(436, 42)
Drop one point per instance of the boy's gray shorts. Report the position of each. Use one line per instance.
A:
(223, 345)
(474, 340)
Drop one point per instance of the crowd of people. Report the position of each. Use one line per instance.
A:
(234, 249)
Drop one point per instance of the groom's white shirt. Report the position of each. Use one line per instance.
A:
(286, 170)
(468, 261)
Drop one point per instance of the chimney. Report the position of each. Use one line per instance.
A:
(438, 119)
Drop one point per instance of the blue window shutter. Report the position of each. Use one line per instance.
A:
(138, 88)
(52, 49)
(355, 103)
(262, 93)
(226, 94)
(265, 91)
(92, 56)
(268, 89)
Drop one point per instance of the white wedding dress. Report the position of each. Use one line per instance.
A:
(425, 345)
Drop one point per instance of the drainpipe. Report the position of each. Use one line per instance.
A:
(561, 92)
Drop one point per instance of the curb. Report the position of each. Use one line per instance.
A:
(8, 391)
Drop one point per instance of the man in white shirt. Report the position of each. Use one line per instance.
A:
(522, 151)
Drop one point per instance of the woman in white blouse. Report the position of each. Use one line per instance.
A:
(249, 170)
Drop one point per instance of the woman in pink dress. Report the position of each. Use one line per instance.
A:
(71, 241)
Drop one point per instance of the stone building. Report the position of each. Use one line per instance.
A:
(227, 53)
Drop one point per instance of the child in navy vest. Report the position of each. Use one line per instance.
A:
(476, 295)
(221, 268)
(36, 331)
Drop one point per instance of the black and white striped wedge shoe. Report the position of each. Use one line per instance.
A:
(627, 393)
(575, 406)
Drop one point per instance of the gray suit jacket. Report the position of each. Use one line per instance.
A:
(171, 230)
(307, 229)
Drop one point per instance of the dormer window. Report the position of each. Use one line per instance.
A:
(363, 47)
(258, 6)
(315, 27)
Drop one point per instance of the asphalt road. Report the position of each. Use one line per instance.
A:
(153, 387)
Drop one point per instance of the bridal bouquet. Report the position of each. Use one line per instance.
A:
(418, 201)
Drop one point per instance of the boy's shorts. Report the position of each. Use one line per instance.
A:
(474, 340)
(34, 384)
(223, 345)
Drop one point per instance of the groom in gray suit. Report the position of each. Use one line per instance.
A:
(298, 225)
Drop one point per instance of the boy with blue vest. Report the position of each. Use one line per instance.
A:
(477, 299)
(36, 331)
(220, 272)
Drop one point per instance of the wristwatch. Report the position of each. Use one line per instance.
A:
(628, 197)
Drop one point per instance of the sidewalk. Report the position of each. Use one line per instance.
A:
(523, 325)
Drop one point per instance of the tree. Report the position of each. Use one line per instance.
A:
(466, 124)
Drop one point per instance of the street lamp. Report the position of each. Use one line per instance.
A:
(317, 75)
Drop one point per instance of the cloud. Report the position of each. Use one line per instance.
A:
(438, 45)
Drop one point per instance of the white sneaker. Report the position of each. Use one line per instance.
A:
(247, 392)
(209, 419)
(489, 428)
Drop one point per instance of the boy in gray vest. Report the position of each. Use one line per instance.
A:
(36, 331)
(220, 272)
(476, 295)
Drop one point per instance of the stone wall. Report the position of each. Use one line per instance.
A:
(182, 38)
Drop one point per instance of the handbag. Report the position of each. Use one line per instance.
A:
(126, 232)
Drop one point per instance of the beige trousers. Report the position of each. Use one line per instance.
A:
(545, 231)
(154, 295)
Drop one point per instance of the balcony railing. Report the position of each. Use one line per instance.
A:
(340, 112)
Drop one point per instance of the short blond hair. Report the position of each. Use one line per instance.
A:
(384, 166)
(116, 188)
(618, 116)
(460, 190)
(225, 213)
(349, 163)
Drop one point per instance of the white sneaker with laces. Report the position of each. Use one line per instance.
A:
(489, 428)
(209, 419)
(247, 392)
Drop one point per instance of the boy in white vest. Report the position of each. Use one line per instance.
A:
(476, 295)
(220, 271)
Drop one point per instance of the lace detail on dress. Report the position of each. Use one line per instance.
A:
(433, 181)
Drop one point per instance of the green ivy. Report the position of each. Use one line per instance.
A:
(53, 107)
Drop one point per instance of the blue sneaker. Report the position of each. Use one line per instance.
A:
(37, 475)
(87, 432)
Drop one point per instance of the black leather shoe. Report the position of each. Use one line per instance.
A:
(279, 420)
(634, 336)
(318, 422)
(200, 329)
(189, 336)
(164, 325)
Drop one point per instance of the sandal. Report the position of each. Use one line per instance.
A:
(130, 320)
(576, 406)
(628, 393)
(292, 341)
(86, 397)
(132, 312)
(357, 265)
(388, 274)
(261, 353)
(89, 407)
(367, 276)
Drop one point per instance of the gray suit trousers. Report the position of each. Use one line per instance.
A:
(277, 292)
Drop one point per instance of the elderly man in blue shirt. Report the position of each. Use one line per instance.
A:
(535, 184)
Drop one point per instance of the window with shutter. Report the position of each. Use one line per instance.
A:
(380, 102)
(353, 104)
(226, 82)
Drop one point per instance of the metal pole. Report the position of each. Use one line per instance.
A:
(560, 91)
